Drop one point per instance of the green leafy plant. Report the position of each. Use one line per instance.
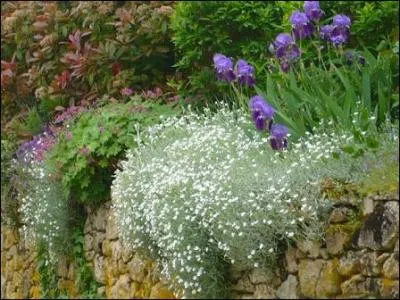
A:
(87, 154)
(203, 28)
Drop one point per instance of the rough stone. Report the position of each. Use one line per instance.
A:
(160, 291)
(391, 267)
(354, 287)
(323, 252)
(381, 228)
(289, 288)
(291, 261)
(10, 238)
(101, 291)
(257, 276)
(369, 264)
(126, 255)
(368, 206)
(62, 267)
(111, 229)
(329, 280)
(89, 255)
(99, 269)
(337, 241)
(137, 269)
(236, 272)
(100, 219)
(88, 225)
(11, 252)
(98, 242)
(244, 285)
(3, 286)
(349, 264)
(389, 288)
(340, 215)
(309, 272)
(310, 248)
(88, 242)
(106, 248)
(121, 288)
(71, 271)
(396, 247)
(264, 291)
(300, 254)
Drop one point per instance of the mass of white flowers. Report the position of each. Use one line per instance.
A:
(43, 208)
(207, 191)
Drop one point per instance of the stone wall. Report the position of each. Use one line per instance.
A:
(359, 258)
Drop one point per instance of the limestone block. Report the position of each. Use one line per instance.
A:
(310, 248)
(289, 289)
(291, 261)
(111, 229)
(336, 241)
(137, 269)
(349, 264)
(160, 291)
(99, 268)
(389, 288)
(340, 215)
(88, 242)
(380, 230)
(244, 285)
(328, 284)
(264, 291)
(309, 272)
(391, 266)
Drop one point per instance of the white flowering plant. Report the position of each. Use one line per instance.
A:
(203, 192)
(43, 207)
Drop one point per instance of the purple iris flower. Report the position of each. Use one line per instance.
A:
(285, 66)
(278, 137)
(341, 30)
(262, 112)
(325, 32)
(301, 25)
(282, 40)
(312, 10)
(341, 20)
(224, 67)
(339, 35)
(245, 73)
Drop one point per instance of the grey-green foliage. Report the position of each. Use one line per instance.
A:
(206, 191)
(43, 208)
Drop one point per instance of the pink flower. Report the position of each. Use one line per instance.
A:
(126, 91)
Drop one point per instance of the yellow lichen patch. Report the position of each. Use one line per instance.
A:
(35, 292)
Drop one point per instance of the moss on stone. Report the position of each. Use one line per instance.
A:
(381, 179)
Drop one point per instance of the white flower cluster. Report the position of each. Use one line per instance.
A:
(43, 208)
(205, 191)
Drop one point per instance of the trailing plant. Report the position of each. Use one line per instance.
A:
(87, 153)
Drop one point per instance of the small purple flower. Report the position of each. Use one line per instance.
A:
(325, 32)
(299, 18)
(341, 20)
(339, 35)
(282, 40)
(312, 10)
(285, 66)
(245, 73)
(262, 112)
(301, 25)
(224, 67)
(278, 137)
(126, 91)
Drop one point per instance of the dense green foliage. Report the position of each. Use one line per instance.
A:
(76, 53)
(87, 154)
